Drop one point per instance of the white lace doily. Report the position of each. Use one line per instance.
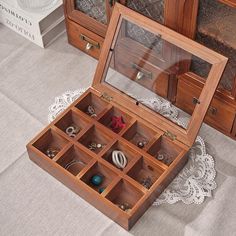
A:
(194, 182)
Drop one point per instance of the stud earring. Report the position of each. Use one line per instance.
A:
(141, 144)
(52, 152)
(93, 146)
(147, 182)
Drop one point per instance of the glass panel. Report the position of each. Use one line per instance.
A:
(216, 30)
(141, 72)
(153, 9)
(93, 8)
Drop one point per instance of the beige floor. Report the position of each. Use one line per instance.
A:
(34, 203)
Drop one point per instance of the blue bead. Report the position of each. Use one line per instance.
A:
(100, 190)
(96, 180)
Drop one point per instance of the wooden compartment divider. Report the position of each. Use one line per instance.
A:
(125, 181)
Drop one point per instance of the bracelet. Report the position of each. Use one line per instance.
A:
(119, 159)
(73, 162)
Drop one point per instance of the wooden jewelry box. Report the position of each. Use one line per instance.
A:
(110, 147)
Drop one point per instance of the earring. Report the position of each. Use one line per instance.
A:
(141, 144)
(72, 130)
(52, 152)
(147, 182)
(93, 146)
(91, 111)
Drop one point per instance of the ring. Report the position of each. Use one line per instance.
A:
(160, 157)
(91, 111)
(119, 159)
(72, 131)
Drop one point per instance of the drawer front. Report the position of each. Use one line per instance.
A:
(219, 115)
(143, 72)
(84, 39)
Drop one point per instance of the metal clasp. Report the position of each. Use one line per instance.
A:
(195, 101)
(106, 97)
(170, 135)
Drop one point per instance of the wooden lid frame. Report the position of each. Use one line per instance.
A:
(218, 62)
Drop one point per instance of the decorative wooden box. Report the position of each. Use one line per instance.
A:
(110, 116)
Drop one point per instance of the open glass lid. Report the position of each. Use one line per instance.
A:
(140, 65)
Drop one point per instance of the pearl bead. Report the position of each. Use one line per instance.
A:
(96, 180)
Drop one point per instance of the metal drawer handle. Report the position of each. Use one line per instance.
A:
(88, 46)
(90, 43)
(142, 73)
(213, 110)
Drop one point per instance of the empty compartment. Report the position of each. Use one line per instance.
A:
(92, 105)
(129, 155)
(140, 135)
(116, 120)
(124, 195)
(72, 124)
(74, 160)
(164, 150)
(98, 177)
(145, 173)
(95, 139)
(50, 143)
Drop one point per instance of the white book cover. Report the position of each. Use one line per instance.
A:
(34, 22)
(40, 28)
(41, 40)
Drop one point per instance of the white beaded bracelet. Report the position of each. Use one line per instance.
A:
(119, 159)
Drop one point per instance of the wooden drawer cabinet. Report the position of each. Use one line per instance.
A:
(92, 15)
(84, 39)
(219, 115)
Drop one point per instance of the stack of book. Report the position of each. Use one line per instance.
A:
(39, 27)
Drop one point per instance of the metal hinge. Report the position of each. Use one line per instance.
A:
(196, 101)
(170, 135)
(106, 97)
